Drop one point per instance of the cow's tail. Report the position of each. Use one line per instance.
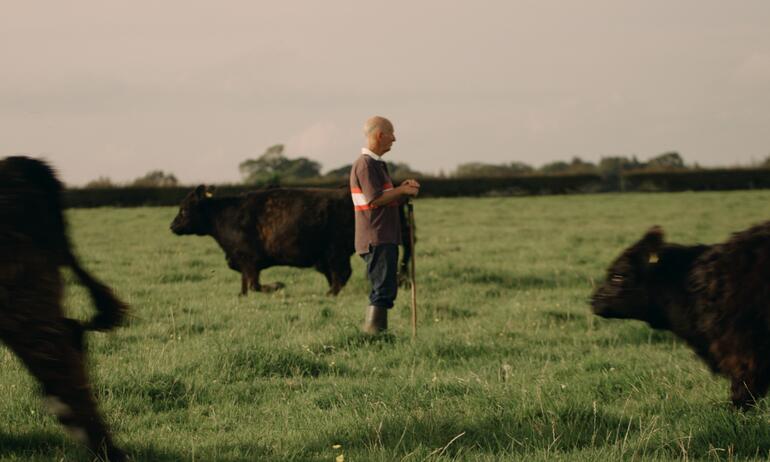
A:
(110, 310)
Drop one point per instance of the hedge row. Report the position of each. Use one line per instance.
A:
(691, 180)
(697, 180)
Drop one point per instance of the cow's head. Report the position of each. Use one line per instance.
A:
(191, 218)
(628, 291)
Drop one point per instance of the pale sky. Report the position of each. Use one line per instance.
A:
(117, 89)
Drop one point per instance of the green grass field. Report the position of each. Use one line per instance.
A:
(509, 364)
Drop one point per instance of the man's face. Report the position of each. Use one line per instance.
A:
(387, 138)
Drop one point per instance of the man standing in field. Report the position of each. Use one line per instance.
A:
(378, 227)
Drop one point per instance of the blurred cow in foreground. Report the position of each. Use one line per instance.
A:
(33, 247)
(716, 298)
(274, 227)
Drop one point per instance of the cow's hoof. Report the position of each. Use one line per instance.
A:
(112, 454)
(744, 404)
(267, 288)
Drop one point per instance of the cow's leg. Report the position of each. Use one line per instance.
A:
(749, 387)
(403, 267)
(324, 267)
(406, 248)
(47, 349)
(403, 274)
(244, 285)
(236, 265)
(256, 286)
(335, 265)
(338, 274)
(741, 393)
(251, 279)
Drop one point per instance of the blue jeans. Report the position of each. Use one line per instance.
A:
(381, 270)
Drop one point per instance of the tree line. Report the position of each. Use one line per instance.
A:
(273, 167)
(153, 179)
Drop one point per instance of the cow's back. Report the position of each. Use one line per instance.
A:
(297, 226)
(731, 282)
(30, 204)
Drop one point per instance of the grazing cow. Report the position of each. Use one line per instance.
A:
(275, 226)
(716, 298)
(33, 246)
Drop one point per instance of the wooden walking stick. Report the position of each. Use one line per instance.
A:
(410, 220)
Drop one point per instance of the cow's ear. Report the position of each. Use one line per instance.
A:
(200, 191)
(653, 241)
(654, 237)
(210, 191)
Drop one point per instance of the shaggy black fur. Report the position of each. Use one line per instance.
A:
(716, 298)
(33, 247)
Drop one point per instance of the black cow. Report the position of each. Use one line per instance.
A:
(276, 226)
(716, 298)
(33, 247)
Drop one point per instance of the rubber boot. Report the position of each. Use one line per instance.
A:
(376, 320)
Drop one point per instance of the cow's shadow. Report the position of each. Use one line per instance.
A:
(50, 445)
(507, 432)
(33, 442)
(742, 435)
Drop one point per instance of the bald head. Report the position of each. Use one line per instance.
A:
(379, 134)
(376, 123)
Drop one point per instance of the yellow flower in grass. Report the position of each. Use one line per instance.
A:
(341, 457)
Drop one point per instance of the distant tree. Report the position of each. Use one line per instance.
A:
(402, 170)
(474, 169)
(301, 168)
(396, 170)
(667, 161)
(100, 183)
(558, 166)
(156, 179)
(520, 167)
(266, 168)
(481, 170)
(274, 167)
(765, 163)
(578, 165)
(612, 166)
(342, 172)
